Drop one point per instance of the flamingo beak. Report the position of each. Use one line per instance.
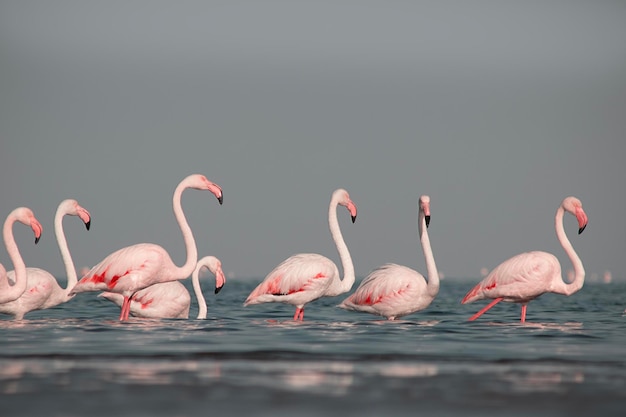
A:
(37, 229)
(352, 209)
(216, 190)
(581, 216)
(427, 218)
(220, 280)
(85, 217)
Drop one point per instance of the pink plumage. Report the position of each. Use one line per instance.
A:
(526, 276)
(133, 268)
(42, 288)
(393, 290)
(171, 299)
(305, 277)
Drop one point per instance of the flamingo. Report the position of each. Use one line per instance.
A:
(42, 289)
(136, 267)
(305, 277)
(393, 290)
(526, 276)
(171, 299)
(10, 291)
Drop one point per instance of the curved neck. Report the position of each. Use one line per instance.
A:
(344, 285)
(579, 270)
(13, 292)
(195, 280)
(431, 267)
(70, 269)
(190, 243)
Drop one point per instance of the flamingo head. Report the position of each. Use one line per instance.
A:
(343, 199)
(215, 266)
(26, 216)
(200, 182)
(424, 207)
(72, 207)
(573, 206)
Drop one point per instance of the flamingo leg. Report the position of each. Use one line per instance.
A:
(125, 309)
(523, 318)
(487, 307)
(299, 314)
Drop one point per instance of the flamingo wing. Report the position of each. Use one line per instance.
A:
(518, 279)
(299, 273)
(126, 270)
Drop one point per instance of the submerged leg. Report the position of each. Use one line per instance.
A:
(487, 307)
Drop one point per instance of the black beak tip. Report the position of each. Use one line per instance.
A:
(221, 199)
(427, 218)
(353, 218)
(37, 239)
(218, 289)
(88, 224)
(581, 229)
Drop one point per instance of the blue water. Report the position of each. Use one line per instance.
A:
(78, 360)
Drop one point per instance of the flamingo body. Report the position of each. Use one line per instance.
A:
(528, 275)
(305, 277)
(393, 290)
(164, 300)
(297, 280)
(171, 299)
(390, 291)
(136, 267)
(519, 279)
(42, 288)
(42, 291)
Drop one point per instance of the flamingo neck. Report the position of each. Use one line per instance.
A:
(14, 291)
(190, 243)
(70, 269)
(195, 280)
(344, 285)
(579, 269)
(431, 267)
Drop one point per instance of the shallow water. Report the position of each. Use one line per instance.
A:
(78, 360)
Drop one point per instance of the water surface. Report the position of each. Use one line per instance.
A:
(78, 360)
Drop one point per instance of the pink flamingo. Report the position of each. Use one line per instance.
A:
(10, 291)
(393, 290)
(305, 277)
(526, 276)
(136, 267)
(171, 299)
(42, 289)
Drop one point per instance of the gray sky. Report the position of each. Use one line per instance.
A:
(497, 110)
